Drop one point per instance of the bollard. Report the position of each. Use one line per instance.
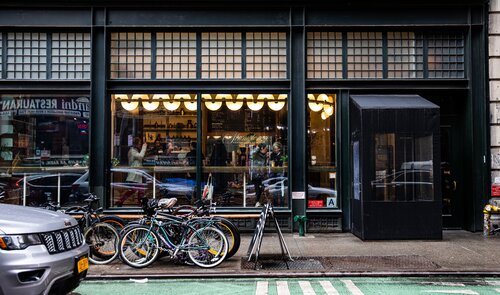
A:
(301, 219)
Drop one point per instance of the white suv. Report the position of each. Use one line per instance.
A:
(41, 251)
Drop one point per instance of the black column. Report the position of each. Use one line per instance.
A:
(99, 150)
(297, 114)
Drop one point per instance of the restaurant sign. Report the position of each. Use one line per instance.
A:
(40, 106)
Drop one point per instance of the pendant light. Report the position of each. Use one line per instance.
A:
(126, 103)
(189, 103)
(277, 103)
(234, 104)
(328, 107)
(257, 104)
(211, 103)
(147, 104)
(168, 102)
(316, 104)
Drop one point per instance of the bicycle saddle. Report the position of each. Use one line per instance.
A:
(167, 203)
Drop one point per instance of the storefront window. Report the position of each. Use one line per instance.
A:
(154, 148)
(403, 168)
(44, 148)
(245, 146)
(322, 171)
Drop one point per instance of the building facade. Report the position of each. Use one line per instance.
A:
(129, 100)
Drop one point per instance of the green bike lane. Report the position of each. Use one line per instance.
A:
(291, 286)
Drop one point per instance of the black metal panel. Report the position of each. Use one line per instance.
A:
(204, 85)
(63, 17)
(204, 17)
(386, 16)
(52, 86)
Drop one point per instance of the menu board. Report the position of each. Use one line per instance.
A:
(241, 120)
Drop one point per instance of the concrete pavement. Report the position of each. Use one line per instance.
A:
(339, 254)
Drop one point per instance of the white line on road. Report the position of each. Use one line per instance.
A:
(262, 288)
(282, 288)
(470, 292)
(493, 283)
(306, 288)
(328, 287)
(498, 290)
(352, 288)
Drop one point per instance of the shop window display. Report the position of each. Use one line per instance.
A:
(155, 138)
(44, 148)
(322, 168)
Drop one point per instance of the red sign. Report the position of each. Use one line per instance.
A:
(495, 190)
(315, 204)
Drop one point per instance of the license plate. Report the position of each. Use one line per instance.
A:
(82, 264)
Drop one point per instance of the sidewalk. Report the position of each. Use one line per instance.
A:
(338, 254)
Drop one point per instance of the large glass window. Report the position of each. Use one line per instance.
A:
(322, 170)
(403, 168)
(245, 146)
(44, 148)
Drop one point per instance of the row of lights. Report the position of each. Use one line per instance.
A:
(212, 102)
(150, 102)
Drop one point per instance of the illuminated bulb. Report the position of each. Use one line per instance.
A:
(257, 104)
(234, 105)
(127, 104)
(149, 105)
(167, 102)
(324, 115)
(316, 105)
(189, 103)
(212, 104)
(278, 103)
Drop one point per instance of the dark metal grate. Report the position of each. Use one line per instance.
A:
(70, 56)
(62, 240)
(324, 224)
(343, 263)
(176, 55)
(446, 55)
(26, 55)
(405, 55)
(221, 55)
(266, 55)
(324, 55)
(130, 55)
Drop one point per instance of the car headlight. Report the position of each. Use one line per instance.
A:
(18, 242)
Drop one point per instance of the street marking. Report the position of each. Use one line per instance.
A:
(493, 283)
(470, 292)
(328, 287)
(449, 284)
(498, 290)
(282, 288)
(262, 288)
(352, 288)
(306, 288)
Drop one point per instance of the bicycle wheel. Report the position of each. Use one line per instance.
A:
(102, 239)
(208, 247)
(139, 246)
(232, 234)
(115, 221)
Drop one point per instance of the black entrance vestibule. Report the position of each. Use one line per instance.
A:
(396, 190)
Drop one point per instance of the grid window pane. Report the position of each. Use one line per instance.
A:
(364, 55)
(26, 55)
(1, 54)
(131, 55)
(324, 55)
(221, 55)
(176, 55)
(266, 55)
(405, 55)
(446, 55)
(71, 56)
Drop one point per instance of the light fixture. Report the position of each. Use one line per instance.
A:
(147, 104)
(234, 104)
(278, 103)
(168, 103)
(329, 106)
(316, 104)
(324, 115)
(212, 104)
(189, 103)
(127, 103)
(256, 104)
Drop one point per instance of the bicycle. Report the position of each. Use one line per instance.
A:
(99, 231)
(187, 240)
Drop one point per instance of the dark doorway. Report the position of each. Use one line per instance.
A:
(452, 167)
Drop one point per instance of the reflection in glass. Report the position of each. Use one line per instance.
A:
(245, 143)
(44, 148)
(322, 187)
(403, 168)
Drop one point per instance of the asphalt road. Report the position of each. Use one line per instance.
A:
(284, 286)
